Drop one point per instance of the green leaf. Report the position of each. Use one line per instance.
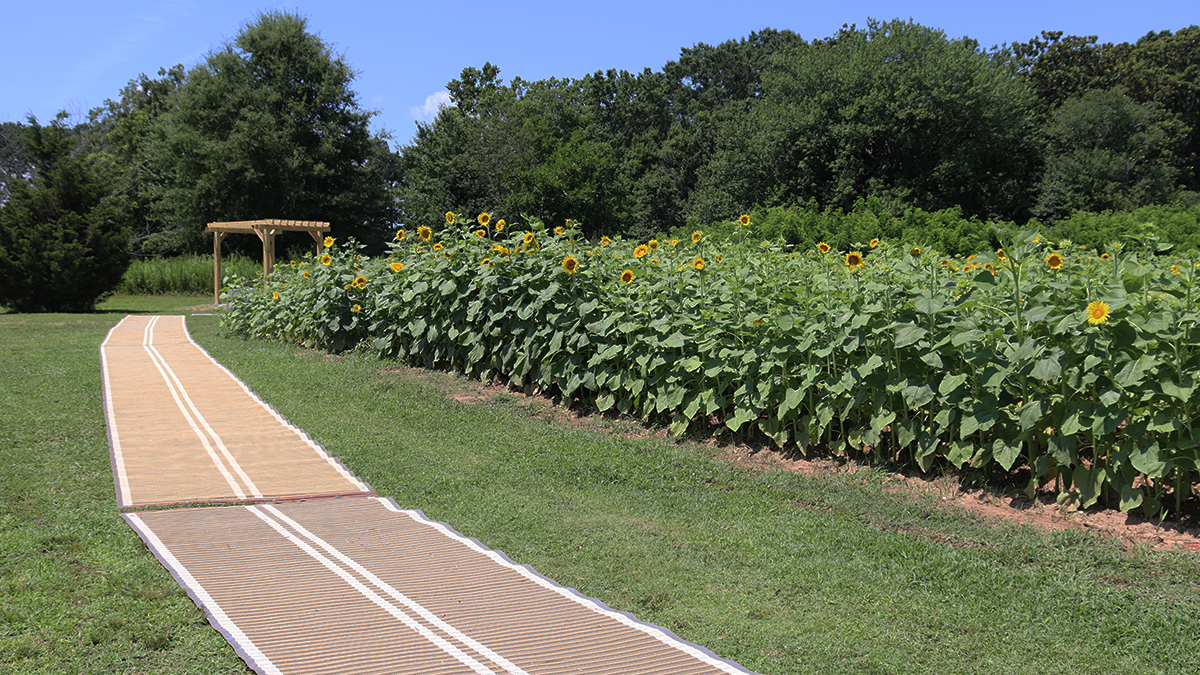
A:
(917, 395)
(1031, 413)
(907, 334)
(951, 383)
(1006, 452)
(1046, 370)
(1182, 390)
(1147, 458)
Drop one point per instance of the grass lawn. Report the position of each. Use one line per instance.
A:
(781, 572)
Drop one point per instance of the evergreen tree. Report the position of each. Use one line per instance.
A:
(64, 232)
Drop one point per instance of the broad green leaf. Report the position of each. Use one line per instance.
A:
(1147, 458)
(1006, 452)
(907, 334)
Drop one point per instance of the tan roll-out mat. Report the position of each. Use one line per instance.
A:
(356, 585)
(183, 429)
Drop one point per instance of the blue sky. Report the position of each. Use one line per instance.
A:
(73, 55)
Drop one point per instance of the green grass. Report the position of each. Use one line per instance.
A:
(79, 593)
(780, 572)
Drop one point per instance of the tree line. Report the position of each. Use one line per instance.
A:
(268, 125)
(896, 111)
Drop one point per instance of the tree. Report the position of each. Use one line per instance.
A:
(1104, 152)
(896, 110)
(268, 127)
(122, 127)
(64, 232)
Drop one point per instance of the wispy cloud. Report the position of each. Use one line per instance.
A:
(427, 112)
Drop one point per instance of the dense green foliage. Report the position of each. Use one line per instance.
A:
(63, 231)
(266, 127)
(896, 111)
(1076, 368)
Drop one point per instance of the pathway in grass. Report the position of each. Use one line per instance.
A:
(343, 585)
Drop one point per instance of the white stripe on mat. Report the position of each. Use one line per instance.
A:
(198, 421)
(316, 447)
(653, 631)
(224, 624)
(390, 608)
(110, 415)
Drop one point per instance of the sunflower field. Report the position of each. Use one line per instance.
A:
(1042, 358)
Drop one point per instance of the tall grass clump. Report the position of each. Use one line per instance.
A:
(183, 275)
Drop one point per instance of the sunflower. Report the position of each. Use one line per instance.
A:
(641, 251)
(328, 242)
(874, 243)
(1175, 269)
(674, 242)
(437, 247)
(450, 218)
(627, 276)
(502, 250)
(1054, 261)
(500, 225)
(425, 233)
(484, 218)
(485, 261)
(356, 308)
(400, 236)
(1036, 239)
(481, 233)
(744, 220)
(528, 238)
(559, 230)
(570, 264)
(718, 258)
(1001, 254)
(822, 247)
(325, 260)
(359, 282)
(696, 237)
(397, 266)
(447, 254)
(1105, 256)
(854, 259)
(605, 241)
(1097, 312)
(698, 263)
(276, 296)
(653, 244)
(916, 251)
(293, 263)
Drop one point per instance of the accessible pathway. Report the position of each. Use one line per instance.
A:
(299, 582)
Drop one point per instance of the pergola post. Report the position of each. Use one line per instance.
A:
(266, 231)
(217, 238)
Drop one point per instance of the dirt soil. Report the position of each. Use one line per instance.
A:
(996, 504)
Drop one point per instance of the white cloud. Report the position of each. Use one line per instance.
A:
(427, 112)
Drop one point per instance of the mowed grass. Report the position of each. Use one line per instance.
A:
(79, 593)
(779, 572)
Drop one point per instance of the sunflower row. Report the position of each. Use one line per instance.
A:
(1046, 359)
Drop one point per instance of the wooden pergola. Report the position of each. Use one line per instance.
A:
(266, 231)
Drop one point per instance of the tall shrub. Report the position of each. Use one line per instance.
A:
(64, 233)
